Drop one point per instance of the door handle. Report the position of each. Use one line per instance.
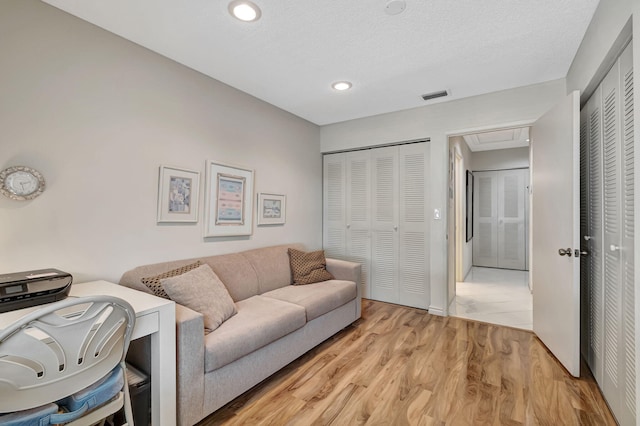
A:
(565, 252)
(614, 247)
(587, 237)
(578, 253)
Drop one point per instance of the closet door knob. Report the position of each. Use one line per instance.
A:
(614, 247)
(395, 228)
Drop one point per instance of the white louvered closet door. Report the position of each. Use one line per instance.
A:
(628, 335)
(413, 238)
(334, 227)
(595, 235)
(511, 218)
(358, 213)
(376, 213)
(485, 216)
(384, 224)
(584, 230)
(611, 226)
(611, 213)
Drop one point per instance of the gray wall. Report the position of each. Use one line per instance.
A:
(610, 26)
(501, 159)
(97, 115)
(508, 108)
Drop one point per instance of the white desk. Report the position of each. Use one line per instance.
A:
(155, 317)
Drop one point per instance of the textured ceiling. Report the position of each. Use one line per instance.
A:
(290, 57)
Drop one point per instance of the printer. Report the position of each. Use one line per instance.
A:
(30, 288)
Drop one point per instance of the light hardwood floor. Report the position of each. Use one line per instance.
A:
(403, 366)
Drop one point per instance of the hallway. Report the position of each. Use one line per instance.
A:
(497, 296)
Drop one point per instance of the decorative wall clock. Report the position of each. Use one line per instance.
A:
(21, 183)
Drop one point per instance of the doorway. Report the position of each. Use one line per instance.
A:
(490, 294)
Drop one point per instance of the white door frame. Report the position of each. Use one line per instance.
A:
(460, 217)
(451, 254)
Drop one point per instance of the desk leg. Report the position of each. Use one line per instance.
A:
(163, 369)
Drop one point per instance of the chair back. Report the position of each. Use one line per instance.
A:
(62, 348)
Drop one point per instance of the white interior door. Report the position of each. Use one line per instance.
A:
(358, 213)
(333, 233)
(485, 216)
(629, 329)
(511, 218)
(594, 235)
(384, 224)
(555, 219)
(611, 226)
(413, 230)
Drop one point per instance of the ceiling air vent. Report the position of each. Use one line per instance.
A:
(434, 95)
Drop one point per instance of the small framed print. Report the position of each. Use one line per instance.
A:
(271, 209)
(229, 204)
(178, 191)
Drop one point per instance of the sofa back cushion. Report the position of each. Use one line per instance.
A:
(245, 274)
(237, 274)
(234, 270)
(271, 265)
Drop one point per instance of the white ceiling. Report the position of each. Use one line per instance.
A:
(291, 56)
(498, 139)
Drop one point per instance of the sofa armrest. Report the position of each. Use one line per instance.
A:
(348, 271)
(190, 364)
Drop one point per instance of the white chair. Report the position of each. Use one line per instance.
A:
(67, 355)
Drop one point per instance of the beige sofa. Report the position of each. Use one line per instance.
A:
(275, 324)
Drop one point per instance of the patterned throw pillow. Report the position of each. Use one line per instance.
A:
(308, 268)
(153, 283)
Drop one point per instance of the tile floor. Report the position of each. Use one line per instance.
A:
(497, 296)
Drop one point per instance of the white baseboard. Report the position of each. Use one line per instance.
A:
(437, 311)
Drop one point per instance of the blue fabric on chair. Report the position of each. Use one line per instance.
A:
(39, 416)
(93, 396)
(73, 407)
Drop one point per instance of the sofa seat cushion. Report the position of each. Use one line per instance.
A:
(318, 298)
(259, 321)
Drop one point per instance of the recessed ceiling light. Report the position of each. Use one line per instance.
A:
(341, 85)
(395, 7)
(245, 10)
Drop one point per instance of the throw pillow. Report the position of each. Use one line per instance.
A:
(153, 283)
(201, 290)
(308, 267)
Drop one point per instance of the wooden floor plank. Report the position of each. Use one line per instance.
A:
(403, 366)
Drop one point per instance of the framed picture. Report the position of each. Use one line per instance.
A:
(178, 191)
(271, 209)
(229, 205)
